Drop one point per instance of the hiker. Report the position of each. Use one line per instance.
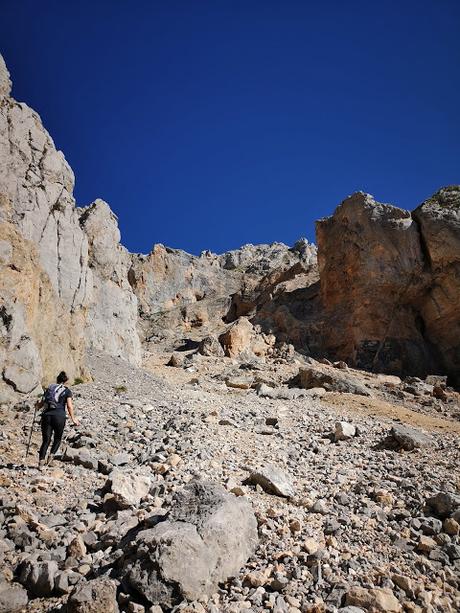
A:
(56, 399)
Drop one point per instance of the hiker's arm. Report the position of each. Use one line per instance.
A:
(71, 413)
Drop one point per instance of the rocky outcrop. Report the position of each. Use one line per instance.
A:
(390, 285)
(439, 222)
(372, 270)
(207, 537)
(37, 333)
(111, 322)
(181, 294)
(62, 271)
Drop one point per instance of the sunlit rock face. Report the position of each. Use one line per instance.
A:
(439, 222)
(390, 283)
(71, 255)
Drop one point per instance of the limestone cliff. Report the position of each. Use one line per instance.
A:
(181, 294)
(439, 222)
(390, 285)
(73, 253)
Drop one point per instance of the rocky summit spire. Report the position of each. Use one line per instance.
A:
(5, 81)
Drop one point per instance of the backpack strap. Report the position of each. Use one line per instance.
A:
(60, 389)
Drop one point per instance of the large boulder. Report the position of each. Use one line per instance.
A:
(238, 338)
(207, 537)
(242, 338)
(331, 379)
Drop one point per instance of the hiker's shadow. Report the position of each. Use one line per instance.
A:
(11, 466)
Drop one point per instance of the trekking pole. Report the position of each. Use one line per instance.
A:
(31, 430)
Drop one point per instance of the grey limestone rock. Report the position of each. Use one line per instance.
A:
(331, 379)
(69, 259)
(207, 537)
(95, 596)
(407, 438)
(80, 457)
(273, 480)
(13, 597)
(128, 487)
(38, 577)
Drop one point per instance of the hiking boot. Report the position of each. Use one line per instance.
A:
(41, 464)
(50, 461)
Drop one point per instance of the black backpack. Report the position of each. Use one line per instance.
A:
(52, 396)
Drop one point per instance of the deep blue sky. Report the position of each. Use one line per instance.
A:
(209, 124)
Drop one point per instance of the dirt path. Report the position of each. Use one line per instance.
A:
(374, 407)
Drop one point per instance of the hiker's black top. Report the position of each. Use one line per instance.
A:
(61, 404)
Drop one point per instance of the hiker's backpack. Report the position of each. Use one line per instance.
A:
(52, 396)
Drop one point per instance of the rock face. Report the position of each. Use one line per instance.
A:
(439, 222)
(38, 334)
(55, 260)
(208, 537)
(371, 270)
(390, 283)
(179, 293)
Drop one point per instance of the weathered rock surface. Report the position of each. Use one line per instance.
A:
(331, 380)
(439, 222)
(128, 487)
(54, 259)
(207, 537)
(96, 596)
(389, 283)
(372, 270)
(404, 437)
(273, 480)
